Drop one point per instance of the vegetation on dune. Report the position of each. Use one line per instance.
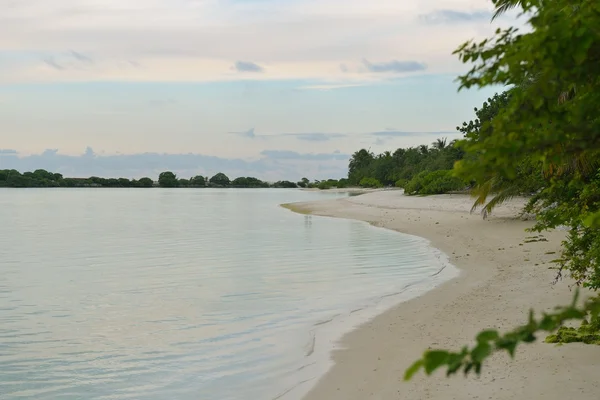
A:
(542, 136)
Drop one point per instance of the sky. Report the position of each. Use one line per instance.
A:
(278, 89)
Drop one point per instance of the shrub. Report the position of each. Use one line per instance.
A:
(370, 183)
(436, 182)
(401, 183)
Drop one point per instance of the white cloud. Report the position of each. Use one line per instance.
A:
(199, 40)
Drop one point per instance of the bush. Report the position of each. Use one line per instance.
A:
(328, 184)
(342, 183)
(401, 183)
(370, 183)
(436, 182)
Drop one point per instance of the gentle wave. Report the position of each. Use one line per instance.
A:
(186, 294)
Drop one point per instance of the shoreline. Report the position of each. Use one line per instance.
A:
(501, 278)
(325, 335)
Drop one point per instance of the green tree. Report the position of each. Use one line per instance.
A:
(198, 180)
(304, 182)
(184, 182)
(284, 185)
(551, 117)
(220, 179)
(167, 179)
(358, 165)
(145, 182)
(248, 182)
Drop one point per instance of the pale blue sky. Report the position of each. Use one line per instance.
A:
(250, 80)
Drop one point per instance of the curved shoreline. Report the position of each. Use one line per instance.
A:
(502, 277)
(325, 335)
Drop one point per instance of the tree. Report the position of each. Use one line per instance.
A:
(145, 182)
(220, 179)
(167, 179)
(552, 118)
(502, 6)
(285, 184)
(359, 162)
(304, 182)
(248, 182)
(198, 180)
(528, 178)
(439, 144)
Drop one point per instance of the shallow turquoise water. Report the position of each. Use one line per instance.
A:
(179, 294)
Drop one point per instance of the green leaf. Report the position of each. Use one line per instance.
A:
(547, 323)
(434, 359)
(486, 336)
(413, 369)
(468, 368)
(592, 220)
(481, 351)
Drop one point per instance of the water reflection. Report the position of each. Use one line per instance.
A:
(185, 294)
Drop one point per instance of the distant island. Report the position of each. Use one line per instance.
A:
(41, 178)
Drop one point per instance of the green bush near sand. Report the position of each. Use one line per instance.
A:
(436, 182)
(370, 183)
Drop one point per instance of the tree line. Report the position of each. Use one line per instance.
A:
(419, 170)
(41, 178)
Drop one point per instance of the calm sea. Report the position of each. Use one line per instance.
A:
(185, 294)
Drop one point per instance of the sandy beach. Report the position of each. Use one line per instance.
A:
(502, 277)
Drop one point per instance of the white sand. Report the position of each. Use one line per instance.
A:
(502, 277)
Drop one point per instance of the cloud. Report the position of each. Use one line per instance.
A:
(273, 165)
(69, 60)
(315, 136)
(394, 66)
(292, 155)
(248, 134)
(455, 16)
(246, 66)
(52, 63)
(8, 152)
(309, 137)
(394, 133)
(197, 41)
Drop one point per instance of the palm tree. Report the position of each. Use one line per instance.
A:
(439, 144)
(502, 6)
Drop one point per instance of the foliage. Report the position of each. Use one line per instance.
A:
(528, 177)
(331, 183)
(435, 182)
(198, 180)
(303, 183)
(284, 184)
(167, 179)
(370, 183)
(145, 182)
(42, 178)
(568, 201)
(219, 179)
(248, 182)
(550, 120)
(588, 333)
(403, 164)
(401, 183)
(490, 341)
